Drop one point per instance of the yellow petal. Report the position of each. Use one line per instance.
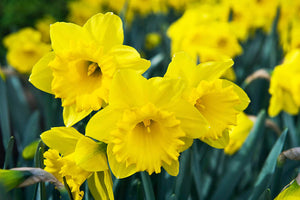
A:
(211, 71)
(71, 116)
(290, 192)
(219, 143)
(127, 57)
(100, 185)
(187, 143)
(191, 120)
(102, 123)
(90, 155)
(241, 93)
(106, 29)
(173, 168)
(67, 39)
(63, 139)
(120, 170)
(164, 92)
(182, 65)
(41, 76)
(126, 85)
(289, 104)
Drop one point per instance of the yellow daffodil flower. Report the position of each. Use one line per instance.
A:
(290, 192)
(25, 48)
(238, 134)
(218, 101)
(285, 86)
(43, 26)
(81, 10)
(83, 63)
(204, 32)
(77, 158)
(146, 124)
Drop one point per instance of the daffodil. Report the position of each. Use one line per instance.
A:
(43, 26)
(218, 101)
(81, 10)
(25, 48)
(146, 124)
(83, 63)
(204, 31)
(77, 158)
(238, 134)
(285, 86)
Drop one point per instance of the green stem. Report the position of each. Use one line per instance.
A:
(9, 153)
(147, 186)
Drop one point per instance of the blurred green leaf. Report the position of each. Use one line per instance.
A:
(9, 153)
(231, 177)
(10, 179)
(32, 129)
(184, 178)
(266, 195)
(4, 114)
(18, 106)
(29, 151)
(148, 188)
(265, 176)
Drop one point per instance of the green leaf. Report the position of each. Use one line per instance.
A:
(29, 151)
(4, 115)
(149, 194)
(265, 176)
(9, 152)
(31, 132)
(18, 106)
(10, 179)
(236, 169)
(266, 195)
(184, 178)
(100, 185)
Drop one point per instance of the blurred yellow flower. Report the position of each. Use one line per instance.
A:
(290, 192)
(204, 32)
(146, 124)
(249, 15)
(81, 10)
(25, 48)
(288, 24)
(83, 63)
(43, 26)
(285, 85)
(152, 40)
(238, 134)
(136, 7)
(77, 158)
(219, 101)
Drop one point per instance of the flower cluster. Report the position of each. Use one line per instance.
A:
(141, 124)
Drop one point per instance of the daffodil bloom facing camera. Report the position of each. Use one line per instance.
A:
(218, 101)
(83, 63)
(146, 124)
(25, 48)
(77, 158)
(285, 86)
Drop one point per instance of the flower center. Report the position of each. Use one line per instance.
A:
(146, 124)
(93, 69)
(147, 137)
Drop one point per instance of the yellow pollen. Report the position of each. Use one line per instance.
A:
(199, 105)
(147, 123)
(92, 68)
